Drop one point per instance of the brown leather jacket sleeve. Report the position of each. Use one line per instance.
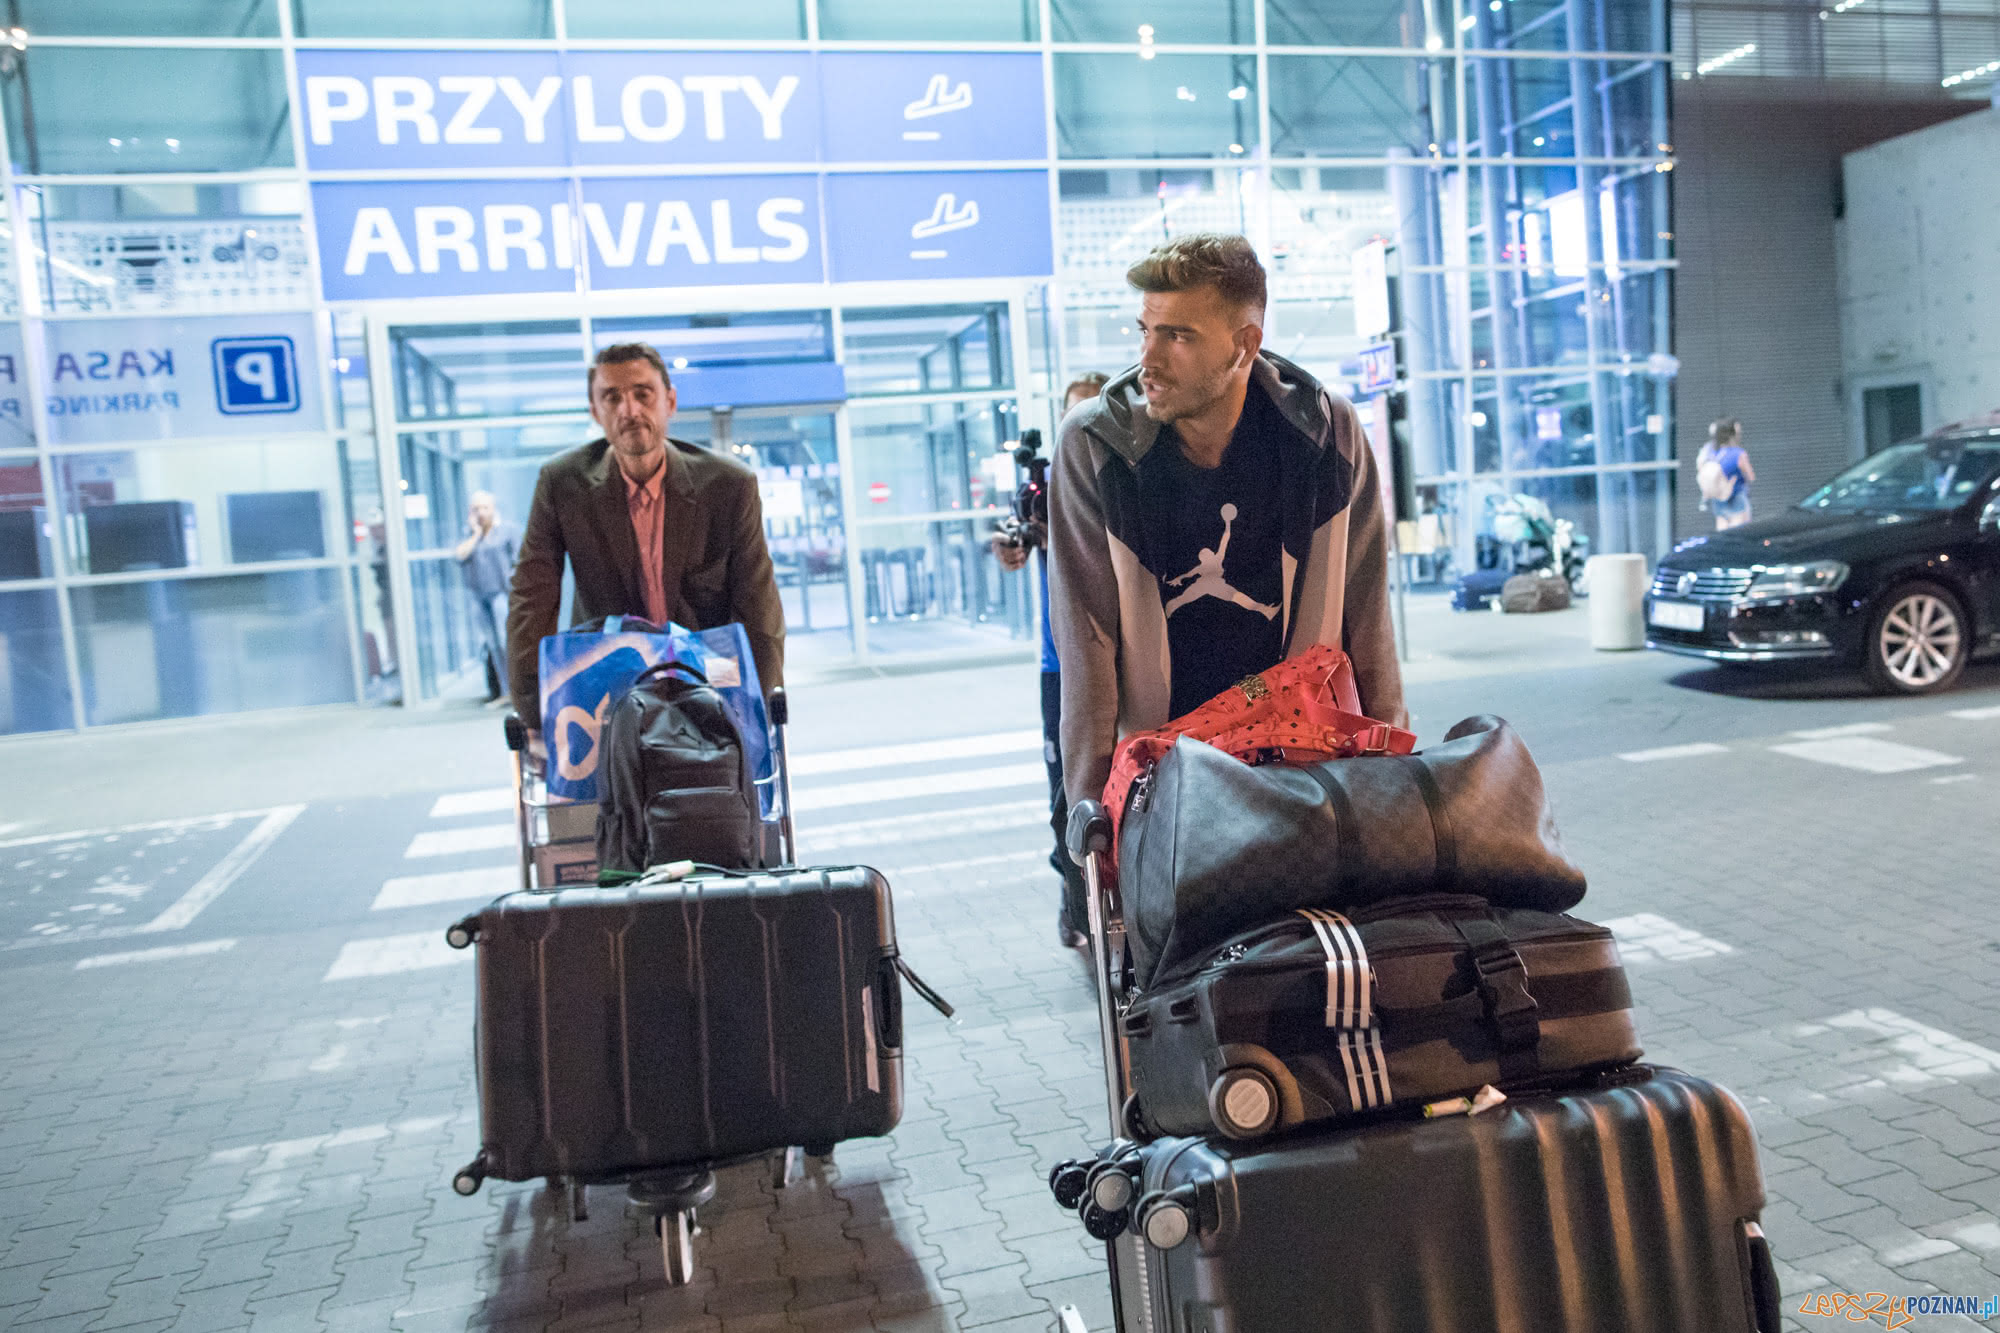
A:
(753, 589)
(535, 601)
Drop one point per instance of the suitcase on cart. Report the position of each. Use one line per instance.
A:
(1626, 1200)
(649, 1032)
(1630, 1204)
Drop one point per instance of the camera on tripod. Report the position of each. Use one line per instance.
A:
(1028, 526)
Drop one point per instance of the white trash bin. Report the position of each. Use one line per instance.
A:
(1617, 601)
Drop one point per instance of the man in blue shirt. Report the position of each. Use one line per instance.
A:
(1073, 923)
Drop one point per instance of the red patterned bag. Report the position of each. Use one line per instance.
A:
(1301, 711)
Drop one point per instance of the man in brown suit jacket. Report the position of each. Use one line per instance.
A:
(651, 527)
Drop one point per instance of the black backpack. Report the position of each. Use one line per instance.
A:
(676, 779)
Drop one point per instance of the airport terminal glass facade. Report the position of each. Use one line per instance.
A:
(284, 282)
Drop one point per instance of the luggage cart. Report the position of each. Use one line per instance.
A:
(558, 849)
(1104, 1192)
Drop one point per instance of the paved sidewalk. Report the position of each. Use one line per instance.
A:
(256, 1128)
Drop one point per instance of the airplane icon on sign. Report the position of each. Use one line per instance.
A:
(948, 215)
(939, 99)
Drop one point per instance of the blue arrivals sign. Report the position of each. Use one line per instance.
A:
(398, 240)
(960, 224)
(456, 111)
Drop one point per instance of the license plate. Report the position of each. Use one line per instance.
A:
(1676, 615)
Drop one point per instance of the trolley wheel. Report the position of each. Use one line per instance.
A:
(517, 732)
(786, 1167)
(677, 1231)
(1101, 1224)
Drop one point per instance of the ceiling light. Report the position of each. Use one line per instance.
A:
(1185, 93)
(1539, 141)
(1726, 58)
(1468, 23)
(680, 363)
(1145, 32)
(1434, 43)
(1236, 148)
(1238, 93)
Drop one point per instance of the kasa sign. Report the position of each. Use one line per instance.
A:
(370, 111)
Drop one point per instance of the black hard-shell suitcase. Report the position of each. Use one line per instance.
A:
(626, 1029)
(1319, 1015)
(1631, 1206)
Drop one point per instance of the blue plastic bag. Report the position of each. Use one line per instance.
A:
(584, 670)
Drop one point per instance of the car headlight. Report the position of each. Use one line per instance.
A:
(1798, 580)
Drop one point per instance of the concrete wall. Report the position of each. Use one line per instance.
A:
(1757, 313)
(1920, 268)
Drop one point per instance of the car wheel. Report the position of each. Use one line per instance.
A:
(1917, 640)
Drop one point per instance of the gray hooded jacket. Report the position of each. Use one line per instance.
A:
(1109, 618)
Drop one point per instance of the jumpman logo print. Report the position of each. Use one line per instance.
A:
(1206, 578)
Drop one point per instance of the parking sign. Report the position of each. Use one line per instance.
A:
(256, 375)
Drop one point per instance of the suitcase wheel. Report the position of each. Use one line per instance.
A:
(1103, 1225)
(1111, 1186)
(470, 1177)
(1165, 1221)
(677, 1232)
(1066, 1181)
(1243, 1103)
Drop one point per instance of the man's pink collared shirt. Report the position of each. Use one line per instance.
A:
(645, 502)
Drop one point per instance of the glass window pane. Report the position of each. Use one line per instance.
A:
(931, 458)
(153, 247)
(353, 394)
(1227, 22)
(17, 429)
(201, 507)
(438, 18)
(105, 109)
(771, 20)
(196, 646)
(34, 684)
(927, 349)
(1360, 106)
(517, 368)
(798, 466)
(918, 20)
(753, 359)
(152, 18)
(1319, 218)
(1109, 219)
(1168, 106)
(1347, 23)
(27, 532)
(936, 589)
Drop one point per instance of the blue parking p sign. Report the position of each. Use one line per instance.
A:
(256, 375)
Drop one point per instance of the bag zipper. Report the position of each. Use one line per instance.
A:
(1142, 791)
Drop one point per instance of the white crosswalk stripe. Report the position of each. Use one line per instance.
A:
(1977, 714)
(1848, 729)
(490, 801)
(391, 954)
(1674, 752)
(1647, 938)
(912, 788)
(891, 830)
(1867, 754)
(447, 886)
(155, 955)
(452, 841)
(921, 752)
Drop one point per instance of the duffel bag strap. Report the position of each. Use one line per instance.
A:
(1350, 1009)
(1511, 1010)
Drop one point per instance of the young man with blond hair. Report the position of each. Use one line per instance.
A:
(1215, 510)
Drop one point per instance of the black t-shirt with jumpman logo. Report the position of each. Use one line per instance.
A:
(1215, 539)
